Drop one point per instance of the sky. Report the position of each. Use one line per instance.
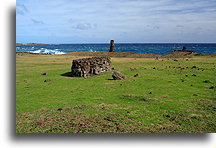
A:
(125, 21)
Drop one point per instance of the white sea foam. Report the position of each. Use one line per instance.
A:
(36, 51)
(48, 51)
(91, 50)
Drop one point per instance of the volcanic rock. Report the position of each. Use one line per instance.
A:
(118, 76)
(90, 66)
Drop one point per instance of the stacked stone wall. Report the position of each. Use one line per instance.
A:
(90, 66)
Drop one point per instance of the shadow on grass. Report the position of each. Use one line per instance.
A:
(110, 79)
(67, 74)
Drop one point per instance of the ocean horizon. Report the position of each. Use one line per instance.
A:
(147, 48)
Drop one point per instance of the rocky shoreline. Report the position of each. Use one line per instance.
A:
(174, 54)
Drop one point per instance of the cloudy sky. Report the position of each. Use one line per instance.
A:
(125, 21)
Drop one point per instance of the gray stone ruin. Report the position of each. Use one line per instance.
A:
(90, 66)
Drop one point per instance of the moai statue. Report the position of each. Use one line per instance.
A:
(184, 48)
(111, 46)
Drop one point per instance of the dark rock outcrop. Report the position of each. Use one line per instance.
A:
(90, 66)
(183, 52)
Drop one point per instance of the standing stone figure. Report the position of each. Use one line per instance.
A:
(184, 48)
(111, 46)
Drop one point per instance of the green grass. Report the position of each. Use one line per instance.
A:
(163, 99)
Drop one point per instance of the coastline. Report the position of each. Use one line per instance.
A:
(31, 44)
(174, 54)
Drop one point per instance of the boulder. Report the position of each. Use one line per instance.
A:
(118, 76)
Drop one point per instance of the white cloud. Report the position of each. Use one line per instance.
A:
(37, 21)
(84, 26)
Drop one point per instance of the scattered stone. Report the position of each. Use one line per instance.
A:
(193, 115)
(194, 75)
(207, 81)
(45, 73)
(81, 98)
(133, 69)
(212, 87)
(108, 119)
(47, 80)
(118, 76)
(90, 66)
(166, 115)
(59, 109)
(136, 75)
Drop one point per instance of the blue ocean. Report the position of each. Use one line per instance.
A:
(153, 48)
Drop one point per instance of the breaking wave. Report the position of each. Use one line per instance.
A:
(47, 51)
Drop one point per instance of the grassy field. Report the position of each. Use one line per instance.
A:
(170, 95)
